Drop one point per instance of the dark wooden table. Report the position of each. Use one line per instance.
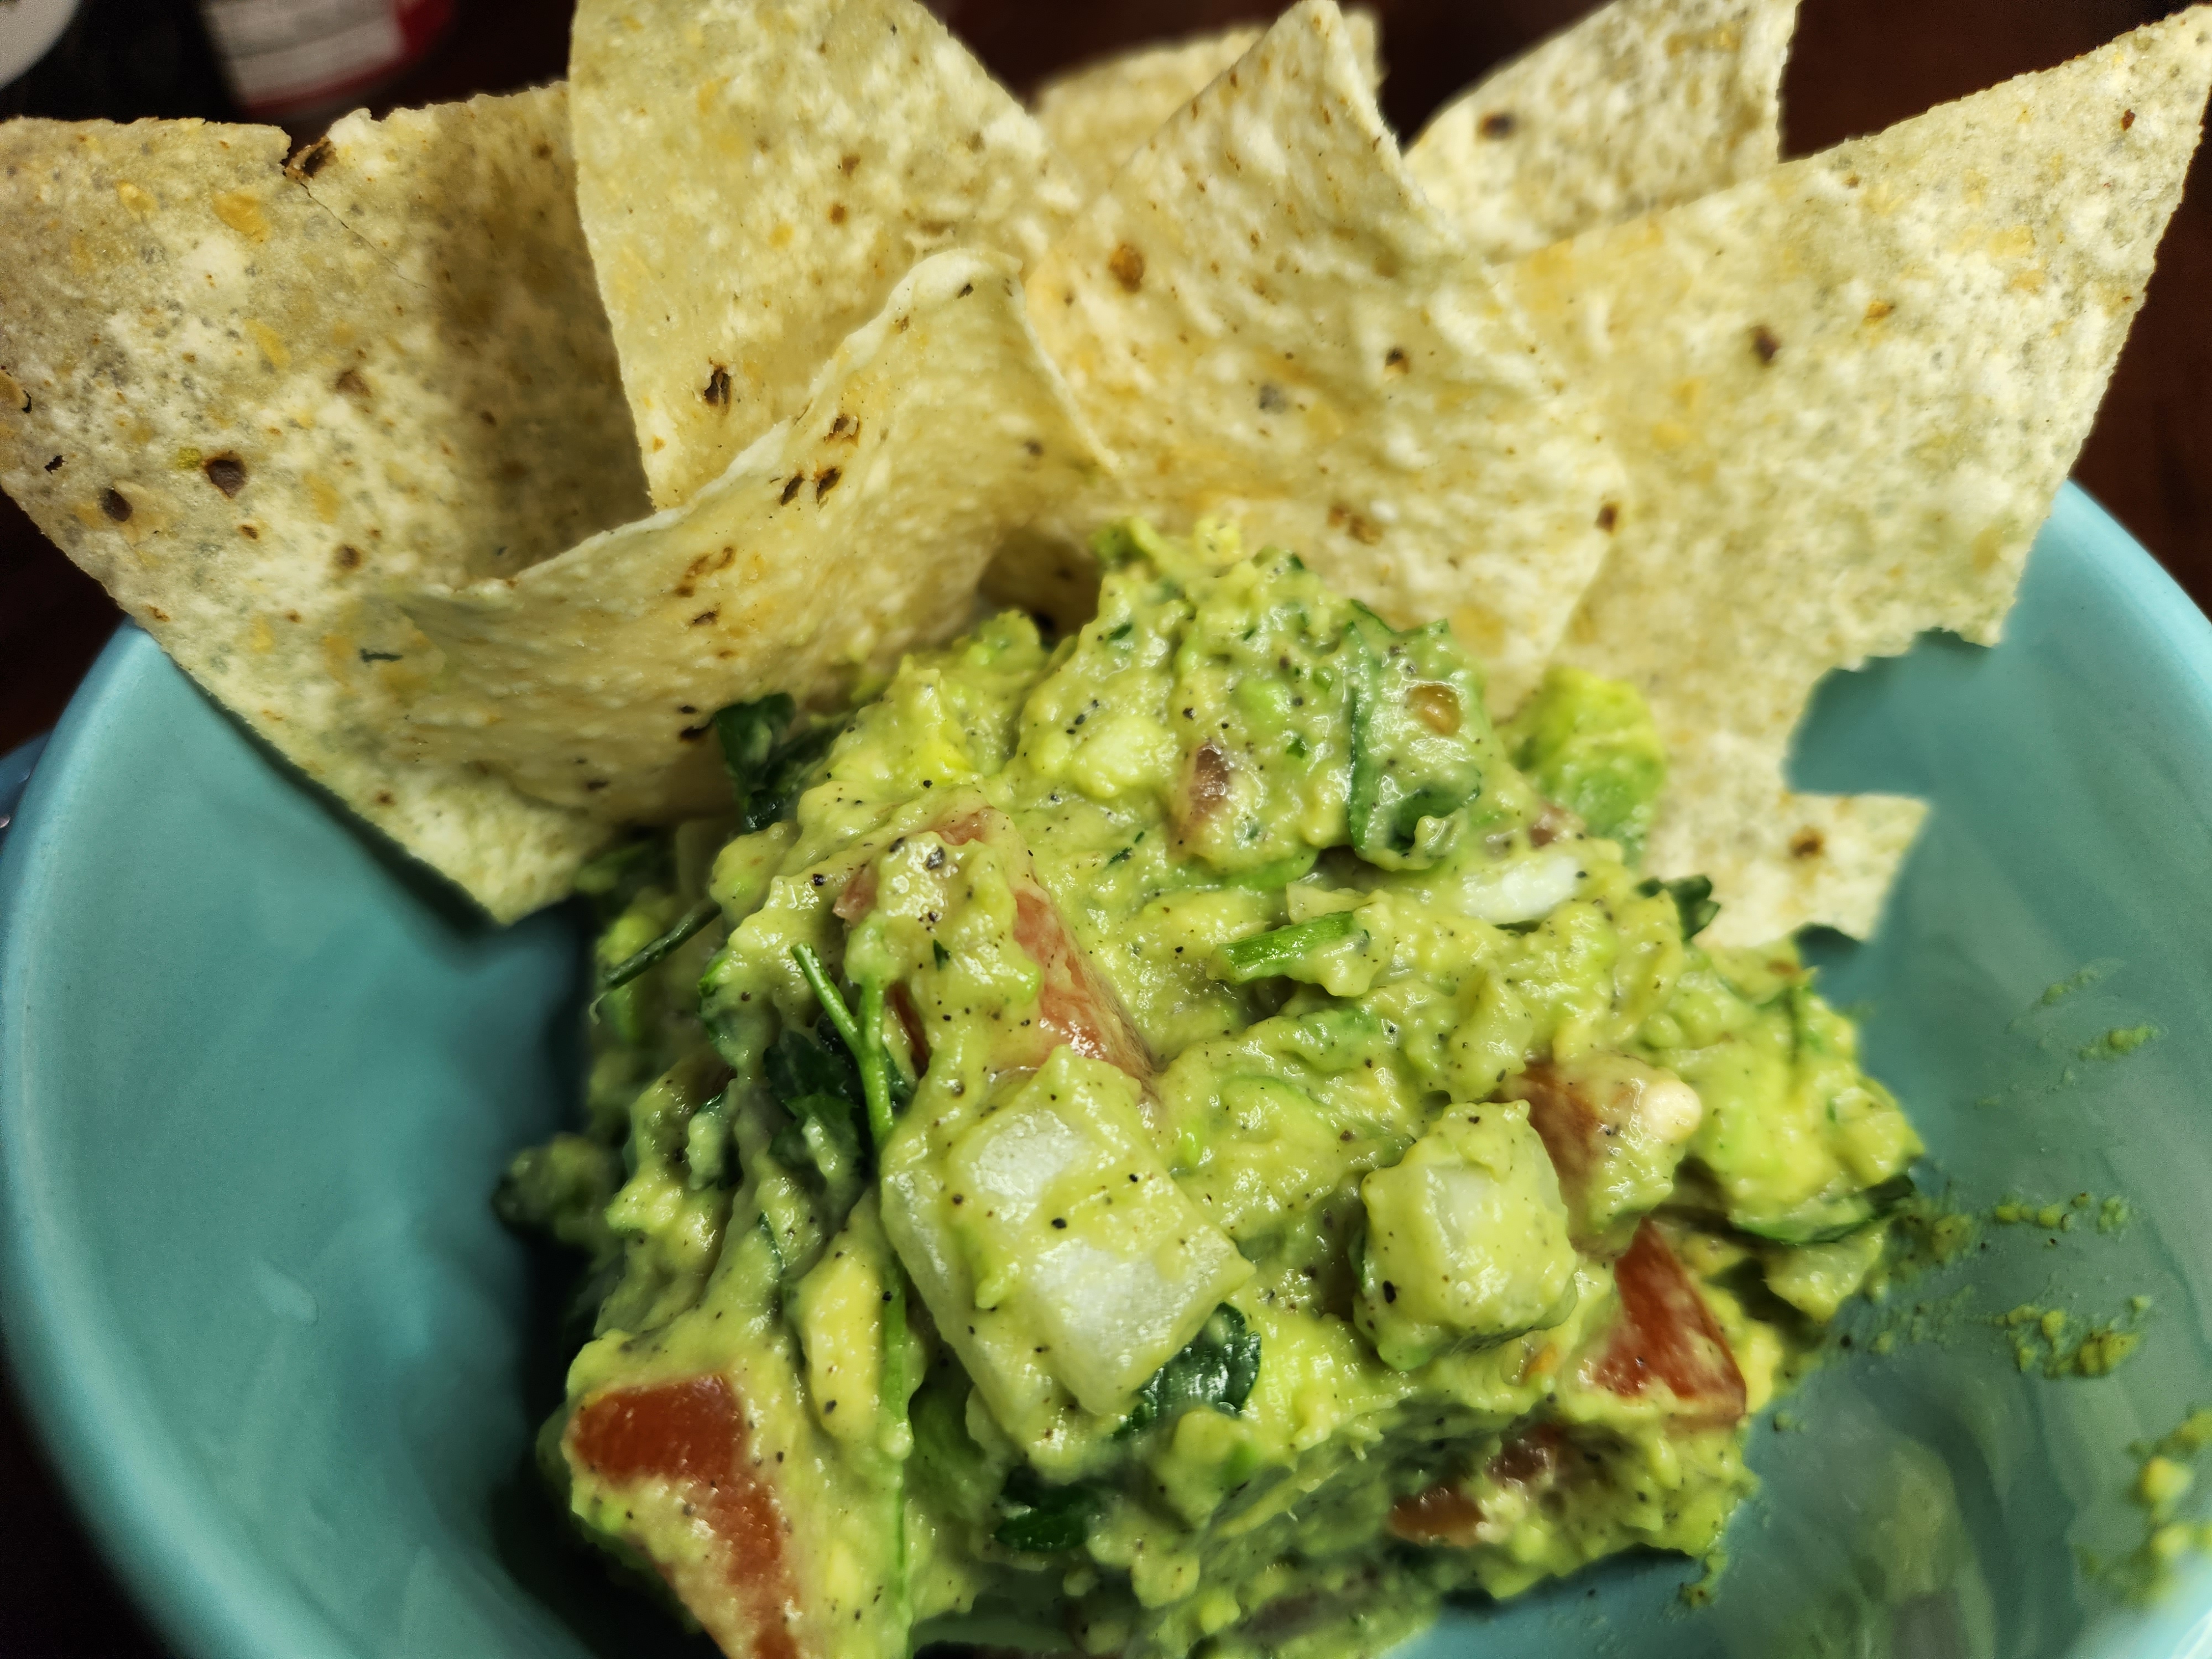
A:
(1859, 64)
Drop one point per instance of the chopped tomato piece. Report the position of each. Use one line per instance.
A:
(1075, 1006)
(1569, 1126)
(1615, 1129)
(1442, 1514)
(692, 1435)
(1446, 1514)
(1665, 1334)
(1532, 1457)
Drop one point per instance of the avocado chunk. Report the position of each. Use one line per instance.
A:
(1591, 746)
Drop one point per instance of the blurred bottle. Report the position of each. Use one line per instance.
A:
(78, 59)
(291, 60)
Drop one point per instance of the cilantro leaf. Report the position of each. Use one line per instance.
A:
(1217, 1368)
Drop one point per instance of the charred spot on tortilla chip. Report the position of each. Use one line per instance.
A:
(1808, 844)
(55, 464)
(1498, 124)
(347, 557)
(310, 159)
(826, 480)
(1765, 343)
(1127, 265)
(790, 489)
(1271, 401)
(846, 162)
(705, 616)
(690, 733)
(116, 505)
(226, 472)
(2127, 119)
(349, 382)
(1394, 360)
(1608, 516)
(367, 655)
(717, 391)
(1361, 528)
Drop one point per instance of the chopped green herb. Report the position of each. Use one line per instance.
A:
(686, 924)
(797, 1065)
(1274, 875)
(883, 1086)
(1043, 1519)
(749, 733)
(1277, 951)
(1217, 1368)
(1693, 900)
(825, 993)
(613, 878)
(766, 770)
(1412, 755)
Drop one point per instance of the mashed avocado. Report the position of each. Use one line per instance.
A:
(1185, 1139)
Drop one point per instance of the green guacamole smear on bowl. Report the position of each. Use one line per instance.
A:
(1186, 1135)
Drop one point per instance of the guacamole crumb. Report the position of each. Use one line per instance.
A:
(2039, 1340)
(2121, 1039)
(2164, 1477)
(2080, 979)
(1926, 1236)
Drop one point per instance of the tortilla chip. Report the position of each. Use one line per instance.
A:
(834, 544)
(1263, 319)
(755, 177)
(1846, 393)
(243, 400)
(1100, 116)
(1643, 104)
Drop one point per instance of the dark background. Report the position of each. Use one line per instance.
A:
(1858, 65)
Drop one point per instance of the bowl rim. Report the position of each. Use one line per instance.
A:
(206, 1590)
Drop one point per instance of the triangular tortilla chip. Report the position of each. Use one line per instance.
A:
(1643, 104)
(1846, 393)
(756, 175)
(1263, 318)
(1099, 116)
(830, 548)
(242, 400)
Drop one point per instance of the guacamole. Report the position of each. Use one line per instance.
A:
(1187, 1139)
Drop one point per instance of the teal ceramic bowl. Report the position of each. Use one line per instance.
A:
(257, 1075)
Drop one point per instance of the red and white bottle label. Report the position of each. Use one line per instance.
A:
(282, 56)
